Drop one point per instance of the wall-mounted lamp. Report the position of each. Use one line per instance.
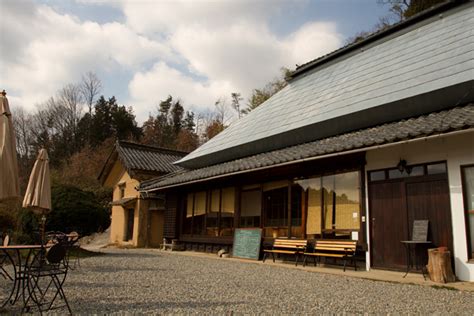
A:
(402, 166)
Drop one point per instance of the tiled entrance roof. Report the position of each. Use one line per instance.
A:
(435, 123)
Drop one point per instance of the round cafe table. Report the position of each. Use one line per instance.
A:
(13, 265)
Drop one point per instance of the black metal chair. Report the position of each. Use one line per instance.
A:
(46, 276)
(7, 274)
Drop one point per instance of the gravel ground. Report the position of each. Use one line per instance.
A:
(149, 281)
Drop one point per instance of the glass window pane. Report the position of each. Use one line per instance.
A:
(377, 175)
(296, 205)
(341, 198)
(212, 217)
(347, 201)
(313, 188)
(436, 168)
(189, 214)
(417, 171)
(227, 212)
(396, 174)
(468, 191)
(250, 208)
(215, 200)
(329, 198)
(275, 207)
(199, 213)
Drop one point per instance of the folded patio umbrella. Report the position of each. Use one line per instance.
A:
(38, 193)
(9, 182)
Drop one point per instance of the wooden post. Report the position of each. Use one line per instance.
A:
(439, 266)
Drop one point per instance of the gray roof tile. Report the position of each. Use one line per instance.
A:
(139, 157)
(440, 122)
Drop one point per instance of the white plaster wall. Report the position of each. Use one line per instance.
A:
(457, 150)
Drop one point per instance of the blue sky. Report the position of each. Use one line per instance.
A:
(143, 50)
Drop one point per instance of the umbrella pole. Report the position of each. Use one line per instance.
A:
(43, 224)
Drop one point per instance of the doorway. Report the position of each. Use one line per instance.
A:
(396, 199)
(129, 227)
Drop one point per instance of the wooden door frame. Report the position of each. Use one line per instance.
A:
(405, 180)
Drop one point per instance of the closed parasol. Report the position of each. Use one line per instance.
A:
(9, 182)
(38, 192)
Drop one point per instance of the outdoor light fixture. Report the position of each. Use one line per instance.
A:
(402, 166)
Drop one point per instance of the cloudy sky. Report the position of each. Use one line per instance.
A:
(145, 50)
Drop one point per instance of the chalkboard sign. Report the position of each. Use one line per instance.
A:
(420, 230)
(247, 243)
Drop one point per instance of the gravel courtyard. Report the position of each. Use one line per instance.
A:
(170, 283)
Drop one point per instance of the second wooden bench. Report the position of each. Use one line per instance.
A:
(286, 246)
(344, 249)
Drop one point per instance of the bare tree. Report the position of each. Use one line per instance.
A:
(90, 87)
(236, 98)
(222, 110)
(22, 123)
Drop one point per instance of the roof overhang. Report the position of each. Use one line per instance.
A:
(342, 153)
(437, 124)
(124, 202)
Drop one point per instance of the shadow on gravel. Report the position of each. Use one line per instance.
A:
(186, 307)
(130, 255)
(114, 268)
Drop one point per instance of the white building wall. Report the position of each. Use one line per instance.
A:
(457, 150)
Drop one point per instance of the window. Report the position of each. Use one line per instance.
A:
(275, 204)
(436, 168)
(188, 221)
(199, 214)
(467, 173)
(377, 175)
(212, 218)
(333, 203)
(227, 212)
(210, 213)
(405, 171)
(297, 203)
(121, 188)
(250, 208)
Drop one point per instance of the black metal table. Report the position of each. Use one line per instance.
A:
(412, 259)
(12, 271)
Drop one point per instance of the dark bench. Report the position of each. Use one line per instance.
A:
(344, 249)
(288, 247)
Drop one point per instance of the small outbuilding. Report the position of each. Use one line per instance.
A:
(137, 221)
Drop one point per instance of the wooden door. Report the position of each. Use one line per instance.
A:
(429, 199)
(388, 217)
(395, 204)
(157, 222)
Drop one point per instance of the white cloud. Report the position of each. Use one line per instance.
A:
(227, 44)
(152, 17)
(44, 50)
(239, 58)
(148, 88)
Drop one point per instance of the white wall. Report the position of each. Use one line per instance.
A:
(457, 150)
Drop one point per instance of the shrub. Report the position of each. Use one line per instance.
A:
(76, 210)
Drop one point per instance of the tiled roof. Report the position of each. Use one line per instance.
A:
(143, 159)
(382, 81)
(148, 158)
(435, 123)
(300, 69)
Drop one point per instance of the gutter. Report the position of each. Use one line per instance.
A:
(315, 158)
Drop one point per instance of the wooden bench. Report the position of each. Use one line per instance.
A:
(286, 246)
(344, 249)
